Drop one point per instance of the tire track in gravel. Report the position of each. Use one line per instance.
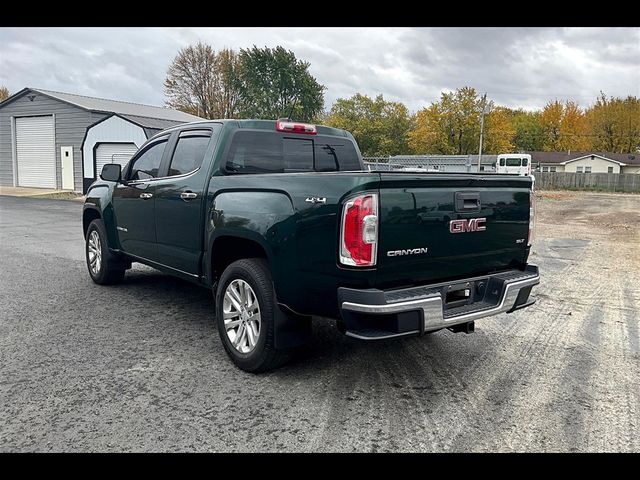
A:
(564, 401)
(542, 337)
(508, 365)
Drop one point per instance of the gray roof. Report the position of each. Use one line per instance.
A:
(114, 106)
(148, 122)
(560, 157)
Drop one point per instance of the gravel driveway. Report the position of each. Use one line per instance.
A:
(139, 366)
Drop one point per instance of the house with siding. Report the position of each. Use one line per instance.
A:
(61, 140)
(585, 162)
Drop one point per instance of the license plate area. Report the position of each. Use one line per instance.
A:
(458, 294)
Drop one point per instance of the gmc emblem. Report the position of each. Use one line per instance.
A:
(467, 225)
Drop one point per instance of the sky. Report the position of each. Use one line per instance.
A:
(518, 67)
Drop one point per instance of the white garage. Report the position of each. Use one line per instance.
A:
(35, 151)
(52, 139)
(119, 153)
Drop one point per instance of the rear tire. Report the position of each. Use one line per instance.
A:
(104, 267)
(245, 296)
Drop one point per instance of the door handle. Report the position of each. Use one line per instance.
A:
(188, 195)
(146, 196)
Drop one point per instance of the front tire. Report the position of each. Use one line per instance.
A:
(245, 316)
(104, 268)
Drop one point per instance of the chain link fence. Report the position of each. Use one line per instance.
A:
(609, 182)
(432, 163)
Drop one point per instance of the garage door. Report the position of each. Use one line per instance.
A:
(35, 152)
(113, 153)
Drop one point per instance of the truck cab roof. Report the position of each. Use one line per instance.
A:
(253, 124)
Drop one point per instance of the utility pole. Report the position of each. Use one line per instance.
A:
(484, 110)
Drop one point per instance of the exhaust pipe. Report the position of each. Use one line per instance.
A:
(468, 327)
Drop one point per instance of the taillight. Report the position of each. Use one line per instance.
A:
(532, 216)
(359, 231)
(295, 127)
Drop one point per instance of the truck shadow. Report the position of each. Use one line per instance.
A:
(329, 351)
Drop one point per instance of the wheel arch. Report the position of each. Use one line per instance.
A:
(89, 214)
(228, 247)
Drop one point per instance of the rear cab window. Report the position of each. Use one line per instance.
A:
(254, 151)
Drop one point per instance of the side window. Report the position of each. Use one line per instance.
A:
(146, 166)
(189, 152)
(525, 161)
(502, 162)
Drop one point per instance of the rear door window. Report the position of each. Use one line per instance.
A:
(189, 152)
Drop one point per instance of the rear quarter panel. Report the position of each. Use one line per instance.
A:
(300, 238)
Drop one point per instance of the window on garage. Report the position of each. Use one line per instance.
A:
(119, 153)
(587, 169)
(545, 169)
(609, 169)
(578, 169)
(552, 169)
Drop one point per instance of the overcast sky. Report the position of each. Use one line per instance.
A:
(517, 67)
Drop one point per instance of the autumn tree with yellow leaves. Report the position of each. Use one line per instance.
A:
(615, 124)
(564, 126)
(452, 126)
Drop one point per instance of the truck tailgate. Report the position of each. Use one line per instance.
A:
(437, 227)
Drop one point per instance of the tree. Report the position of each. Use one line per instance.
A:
(499, 131)
(204, 82)
(615, 124)
(273, 83)
(574, 128)
(550, 120)
(564, 127)
(528, 132)
(452, 126)
(380, 127)
(4, 93)
(428, 134)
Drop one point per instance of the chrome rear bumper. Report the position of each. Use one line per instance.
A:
(418, 310)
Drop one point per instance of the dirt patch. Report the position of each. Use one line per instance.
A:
(550, 195)
(59, 196)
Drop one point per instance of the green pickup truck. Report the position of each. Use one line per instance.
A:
(283, 222)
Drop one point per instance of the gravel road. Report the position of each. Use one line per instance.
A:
(139, 366)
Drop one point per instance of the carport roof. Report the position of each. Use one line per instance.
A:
(115, 106)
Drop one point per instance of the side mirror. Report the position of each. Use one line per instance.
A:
(111, 172)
